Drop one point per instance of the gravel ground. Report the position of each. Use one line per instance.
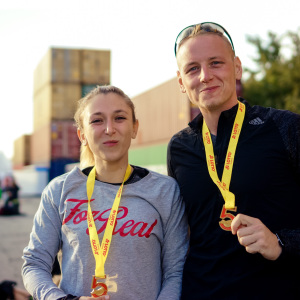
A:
(14, 236)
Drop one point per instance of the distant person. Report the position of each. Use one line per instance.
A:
(10, 195)
(143, 239)
(238, 169)
(9, 291)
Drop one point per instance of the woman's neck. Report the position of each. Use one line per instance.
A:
(111, 173)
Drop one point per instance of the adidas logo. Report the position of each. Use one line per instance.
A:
(256, 121)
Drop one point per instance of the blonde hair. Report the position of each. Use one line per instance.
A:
(202, 29)
(86, 155)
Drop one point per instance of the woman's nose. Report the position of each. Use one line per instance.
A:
(109, 130)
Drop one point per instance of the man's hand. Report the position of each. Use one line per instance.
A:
(256, 237)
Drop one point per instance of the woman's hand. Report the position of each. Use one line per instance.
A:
(106, 297)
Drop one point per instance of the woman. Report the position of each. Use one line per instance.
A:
(143, 238)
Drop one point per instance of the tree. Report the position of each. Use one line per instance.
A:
(276, 82)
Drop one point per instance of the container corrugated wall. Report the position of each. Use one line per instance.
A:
(22, 148)
(56, 101)
(58, 66)
(95, 67)
(55, 140)
(162, 111)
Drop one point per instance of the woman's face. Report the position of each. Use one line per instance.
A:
(108, 128)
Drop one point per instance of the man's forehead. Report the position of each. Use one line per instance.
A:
(208, 45)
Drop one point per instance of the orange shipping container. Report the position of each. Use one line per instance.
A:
(21, 156)
(55, 101)
(56, 140)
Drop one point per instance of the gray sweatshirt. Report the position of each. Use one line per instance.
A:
(149, 242)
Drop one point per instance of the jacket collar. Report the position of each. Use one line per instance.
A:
(196, 123)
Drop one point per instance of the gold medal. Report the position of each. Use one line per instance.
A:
(99, 287)
(223, 185)
(101, 252)
(226, 218)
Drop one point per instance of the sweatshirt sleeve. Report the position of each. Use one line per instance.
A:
(174, 250)
(40, 253)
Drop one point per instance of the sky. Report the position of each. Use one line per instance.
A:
(140, 35)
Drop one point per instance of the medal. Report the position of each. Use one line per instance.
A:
(226, 218)
(100, 252)
(99, 288)
(224, 184)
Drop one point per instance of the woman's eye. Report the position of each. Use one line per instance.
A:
(120, 118)
(96, 121)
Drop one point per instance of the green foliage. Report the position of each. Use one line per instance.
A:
(276, 82)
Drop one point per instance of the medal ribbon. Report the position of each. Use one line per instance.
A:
(101, 253)
(223, 185)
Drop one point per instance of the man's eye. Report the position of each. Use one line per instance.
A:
(193, 69)
(215, 63)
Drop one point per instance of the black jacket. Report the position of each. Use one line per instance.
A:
(266, 184)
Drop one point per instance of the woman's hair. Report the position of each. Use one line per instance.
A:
(86, 155)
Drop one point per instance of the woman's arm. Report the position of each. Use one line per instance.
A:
(174, 250)
(40, 253)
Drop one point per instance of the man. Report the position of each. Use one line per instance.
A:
(238, 168)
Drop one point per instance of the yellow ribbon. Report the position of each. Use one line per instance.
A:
(223, 185)
(101, 253)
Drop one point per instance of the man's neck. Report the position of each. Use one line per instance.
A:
(211, 117)
(212, 120)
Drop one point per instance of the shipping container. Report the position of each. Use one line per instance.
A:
(95, 67)
(58, 167)
(32, 180)
(162, 111)
(41, 145)
(56, 140)
(56, 101)
(21, 156)
(86, 88)
(57, 66)
(64, 140)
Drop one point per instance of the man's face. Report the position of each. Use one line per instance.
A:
(208, 71)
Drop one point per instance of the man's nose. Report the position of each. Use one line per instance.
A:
(205, 74)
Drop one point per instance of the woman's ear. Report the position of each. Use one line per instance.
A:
(81, 137)
(135, 129)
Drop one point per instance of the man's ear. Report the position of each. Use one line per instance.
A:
(182, 88)
(238, 68)
(135, 129)
(81, 137)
